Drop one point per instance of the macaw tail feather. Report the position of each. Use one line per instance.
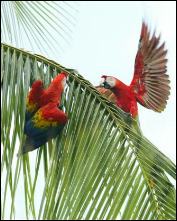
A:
(27, 146)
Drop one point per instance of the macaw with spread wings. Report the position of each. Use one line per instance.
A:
(150, 83)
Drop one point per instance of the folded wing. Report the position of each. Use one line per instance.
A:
(34, 95)
(45, 124)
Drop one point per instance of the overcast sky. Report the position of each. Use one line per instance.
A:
(105, 41)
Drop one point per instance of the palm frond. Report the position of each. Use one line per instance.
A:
(38, 25)
(100, 168)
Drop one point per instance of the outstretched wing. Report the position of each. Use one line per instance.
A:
(150, 82)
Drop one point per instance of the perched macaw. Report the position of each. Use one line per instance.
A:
(150, 83)
(45, 124)
(44, 119)
(38, 96)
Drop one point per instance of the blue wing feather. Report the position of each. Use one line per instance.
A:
(37, 137)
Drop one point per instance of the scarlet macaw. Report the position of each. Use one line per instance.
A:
(150, 83)
(44, 120)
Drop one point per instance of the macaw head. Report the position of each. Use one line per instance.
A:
(108, 82)
(60, 80)
(63, 76)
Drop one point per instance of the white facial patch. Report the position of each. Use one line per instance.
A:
(102, 81)
(111, 81)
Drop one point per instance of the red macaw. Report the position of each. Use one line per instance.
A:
(43, 118)
(45, 124)
(38, 96)
(150, 84)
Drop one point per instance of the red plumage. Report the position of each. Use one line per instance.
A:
(150, 83)
(44, 120)
(35, 94)
(54, 91)
(38, 96)
(36, 91)
(50, 112)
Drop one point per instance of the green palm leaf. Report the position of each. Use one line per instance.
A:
(38, 25)
(100, 168)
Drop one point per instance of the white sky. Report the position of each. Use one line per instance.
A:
(105, 42)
